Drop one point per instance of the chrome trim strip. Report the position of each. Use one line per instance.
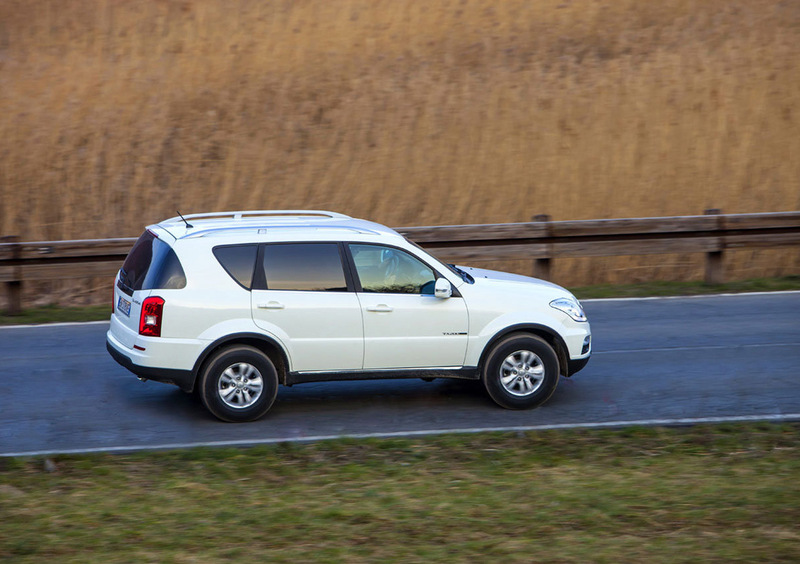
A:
(383, 370)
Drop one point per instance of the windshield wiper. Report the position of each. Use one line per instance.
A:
(464, 276)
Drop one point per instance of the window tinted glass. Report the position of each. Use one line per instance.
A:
(166, 272)
(390, 270)
(137, 263)
(239, 261)
(304, 266)
(151, 265)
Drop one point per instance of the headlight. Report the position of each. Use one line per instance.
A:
(569, 306)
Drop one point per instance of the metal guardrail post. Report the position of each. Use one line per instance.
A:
(542, 266)
(14, 286)
(715, 268)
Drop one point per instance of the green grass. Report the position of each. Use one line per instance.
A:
(706, 493)
(54, 314)
(661, 288)
(57, 314)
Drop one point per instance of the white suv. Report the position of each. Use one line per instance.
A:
(232, 304)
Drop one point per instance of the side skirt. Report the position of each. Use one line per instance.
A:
(465, 373)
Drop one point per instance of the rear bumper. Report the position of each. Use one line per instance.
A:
(184, 379)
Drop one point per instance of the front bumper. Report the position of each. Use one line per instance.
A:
(576, 365)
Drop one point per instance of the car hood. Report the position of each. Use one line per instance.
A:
(482, 273)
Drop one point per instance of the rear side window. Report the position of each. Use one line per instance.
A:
(151, 265)
(239, 261)
(304, 266)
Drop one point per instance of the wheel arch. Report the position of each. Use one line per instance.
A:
(550, 336)
(265, 344)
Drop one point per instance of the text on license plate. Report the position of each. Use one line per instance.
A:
(124, 306)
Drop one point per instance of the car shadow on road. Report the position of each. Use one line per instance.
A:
(376, 393)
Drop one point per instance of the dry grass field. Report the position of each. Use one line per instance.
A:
(115, 113)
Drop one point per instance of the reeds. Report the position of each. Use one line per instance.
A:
(114, 114)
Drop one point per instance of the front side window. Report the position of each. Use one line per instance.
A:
(390, 270)
(304, 266)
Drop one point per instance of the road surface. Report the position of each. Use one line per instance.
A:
(655, 361)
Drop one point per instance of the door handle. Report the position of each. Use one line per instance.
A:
(380, 308)
(271, 305)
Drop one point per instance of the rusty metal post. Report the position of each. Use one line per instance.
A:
(542, 266)
(715, 268)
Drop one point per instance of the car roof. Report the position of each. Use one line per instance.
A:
(265, 225)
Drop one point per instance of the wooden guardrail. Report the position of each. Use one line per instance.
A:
(541, 240)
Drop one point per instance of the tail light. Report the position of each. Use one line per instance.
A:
(150, 320)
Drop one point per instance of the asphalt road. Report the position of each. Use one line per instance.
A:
(662, 361)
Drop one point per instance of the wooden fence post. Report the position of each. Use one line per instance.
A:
(14, 286)
(715, 269)
(541, 266)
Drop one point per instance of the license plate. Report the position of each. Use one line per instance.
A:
(124, 306)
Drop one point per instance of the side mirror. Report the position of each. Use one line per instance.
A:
(443, 288)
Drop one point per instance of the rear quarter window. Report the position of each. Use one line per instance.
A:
(239, 262)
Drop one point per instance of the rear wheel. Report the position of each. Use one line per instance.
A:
(239, 383)
(521, 372)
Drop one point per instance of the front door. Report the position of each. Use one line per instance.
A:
(405, 326)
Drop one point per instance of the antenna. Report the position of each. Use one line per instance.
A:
(188, 225)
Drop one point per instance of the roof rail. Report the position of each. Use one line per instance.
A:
(239, 215)
(277, 229)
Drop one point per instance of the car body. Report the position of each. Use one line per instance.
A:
(231, 305)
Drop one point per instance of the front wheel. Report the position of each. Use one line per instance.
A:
(521, 372)
(239, 383)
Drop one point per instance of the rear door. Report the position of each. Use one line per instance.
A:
(303, 295)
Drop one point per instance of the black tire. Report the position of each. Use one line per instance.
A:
(521, 371)
(238, 383)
